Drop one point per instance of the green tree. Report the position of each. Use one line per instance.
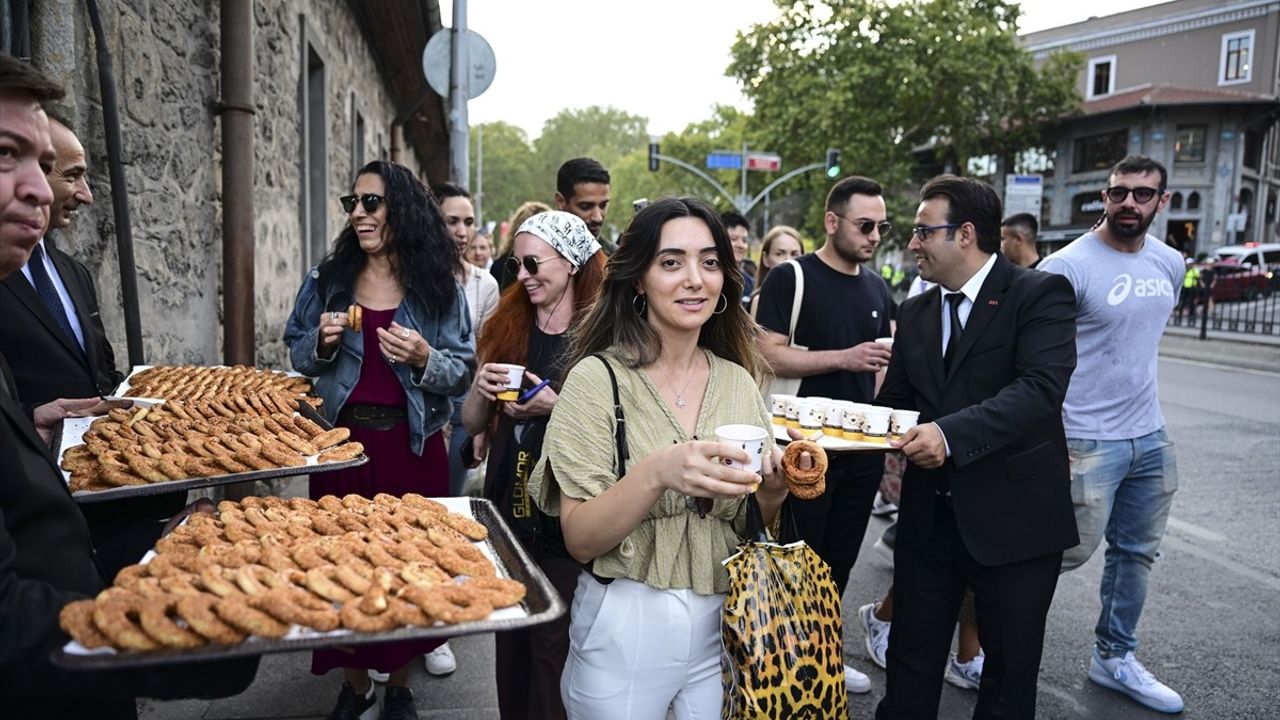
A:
(603, 133)
(510, 170)
(886, 83)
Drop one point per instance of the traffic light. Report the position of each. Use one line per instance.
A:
(653, 157)
(833, 163)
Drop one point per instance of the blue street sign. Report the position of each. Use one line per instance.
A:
(724, 161)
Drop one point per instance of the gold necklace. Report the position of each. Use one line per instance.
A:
(680, 401)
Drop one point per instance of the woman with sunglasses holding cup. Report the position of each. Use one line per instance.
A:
(387, 373)
(557, 265)
(645, 624)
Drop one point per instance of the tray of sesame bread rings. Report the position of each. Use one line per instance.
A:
(269, 575)
(193, 427)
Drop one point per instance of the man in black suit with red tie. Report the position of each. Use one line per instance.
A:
(57, 348)
(985, 358)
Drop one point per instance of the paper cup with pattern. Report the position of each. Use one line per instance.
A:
(748, 437)
(877, 427)
(778, 408)
(515, 378)
(900, 421)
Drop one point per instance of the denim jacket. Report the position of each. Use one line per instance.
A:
(448, 372)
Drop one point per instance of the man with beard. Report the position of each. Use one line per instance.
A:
(1123, 470)
(582, 188)
(844, 307)
(985, 358)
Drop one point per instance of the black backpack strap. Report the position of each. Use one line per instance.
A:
(619, 419)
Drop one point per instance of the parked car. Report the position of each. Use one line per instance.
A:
(1263, 256)
(1235, 281)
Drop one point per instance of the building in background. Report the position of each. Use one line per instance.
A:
(331, 79)
(1194, 84)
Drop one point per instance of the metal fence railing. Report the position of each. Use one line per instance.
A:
(1254, 314)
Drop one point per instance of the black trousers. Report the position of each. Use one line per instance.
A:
(834, 522)
(528, 662)
(1011, 602)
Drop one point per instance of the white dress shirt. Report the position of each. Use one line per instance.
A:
(970, 291)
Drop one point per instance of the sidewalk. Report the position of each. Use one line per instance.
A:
(1239, 350)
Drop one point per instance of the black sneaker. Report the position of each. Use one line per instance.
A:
(397, 704)
(352, 706)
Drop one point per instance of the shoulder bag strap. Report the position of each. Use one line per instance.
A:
(619, 419)
(796, 300)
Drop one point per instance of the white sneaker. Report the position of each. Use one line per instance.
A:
(379, 677)
(882, 507)
(440, 661)
(877, 631)
(856, 682)
(966, 676)
(1127, 675)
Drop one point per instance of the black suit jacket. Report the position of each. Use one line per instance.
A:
(1000, 408)
(45, 555)
(47, 364)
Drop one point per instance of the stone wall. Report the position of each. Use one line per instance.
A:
(166, 55)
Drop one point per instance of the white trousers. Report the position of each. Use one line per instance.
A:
(635, 650)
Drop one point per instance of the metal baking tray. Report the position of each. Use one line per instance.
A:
(541, 604)
(162, 488)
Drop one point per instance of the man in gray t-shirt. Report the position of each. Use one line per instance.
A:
(1123, 471)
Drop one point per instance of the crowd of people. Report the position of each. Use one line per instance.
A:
(1040, 431)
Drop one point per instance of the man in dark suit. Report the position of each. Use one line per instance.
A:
(986, 498)
(46, 559)
(57, 348)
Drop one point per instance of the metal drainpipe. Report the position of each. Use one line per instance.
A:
(237, 112)
(119, 193)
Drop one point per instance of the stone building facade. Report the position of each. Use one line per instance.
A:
(325, 96)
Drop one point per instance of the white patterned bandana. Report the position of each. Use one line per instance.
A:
(565, 232)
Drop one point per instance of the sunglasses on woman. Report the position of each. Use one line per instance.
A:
(1117, 194)
(368, 200)
(529, 262)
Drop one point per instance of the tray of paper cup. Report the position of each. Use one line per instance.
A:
(193, 427)
(839, 425)
(409, 568)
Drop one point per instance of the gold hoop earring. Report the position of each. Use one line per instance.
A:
(641, 307)
(719, 309)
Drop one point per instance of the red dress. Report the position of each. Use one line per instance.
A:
(393, 468)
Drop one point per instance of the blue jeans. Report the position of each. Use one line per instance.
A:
(1122, 490)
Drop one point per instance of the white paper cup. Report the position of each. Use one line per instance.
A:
(854, 422)
(793, 412)
(515, 378)
(900, 421)
(778, 408)
(810, 416)
(877, 423)
(886, 341)
(749, 438)
(833, 419)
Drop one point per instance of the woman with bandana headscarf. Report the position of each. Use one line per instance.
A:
(558, 266)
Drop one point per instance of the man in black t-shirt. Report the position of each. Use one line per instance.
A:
(843, 309)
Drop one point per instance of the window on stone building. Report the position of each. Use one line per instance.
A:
(357, 137)
(1193, 201)
(1175, 202)
(1188, 144)
(315, 183)
(1101, 76)
(1237, 58)
(1099, 152)
(1252, 149)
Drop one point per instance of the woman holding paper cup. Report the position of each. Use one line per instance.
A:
(559, 266)
(387, 377)
(683, 353)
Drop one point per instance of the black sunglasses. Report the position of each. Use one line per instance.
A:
(529, 262)
(368, 200)
(866, 226)
(1117, 194)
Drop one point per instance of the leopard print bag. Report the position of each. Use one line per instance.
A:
(781, 655)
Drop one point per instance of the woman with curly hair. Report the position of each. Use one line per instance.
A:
(386, 370)
(645, 627)
(558, 269)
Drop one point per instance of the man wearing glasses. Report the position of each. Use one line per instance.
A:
(985, 357)
(1124, 473)
(843, 308)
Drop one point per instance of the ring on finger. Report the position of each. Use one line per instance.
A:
(405, 335)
